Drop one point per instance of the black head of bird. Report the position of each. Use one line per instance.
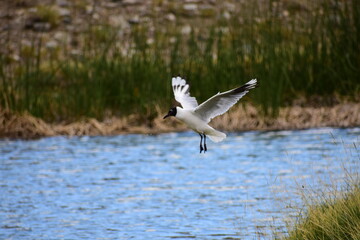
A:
(172, 112)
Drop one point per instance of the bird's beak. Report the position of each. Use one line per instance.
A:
(167, 115)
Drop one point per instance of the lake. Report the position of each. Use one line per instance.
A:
(160, 187)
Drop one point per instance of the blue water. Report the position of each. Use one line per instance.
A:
(160, 187)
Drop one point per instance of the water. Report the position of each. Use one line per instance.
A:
(160, 187)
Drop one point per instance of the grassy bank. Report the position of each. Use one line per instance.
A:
(334, 218)
(293, 52)
(239, 118)
(334, 211)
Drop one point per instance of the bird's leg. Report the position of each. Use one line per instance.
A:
(205, 148)
(201, 147)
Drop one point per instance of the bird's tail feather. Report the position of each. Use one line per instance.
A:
(217, 136)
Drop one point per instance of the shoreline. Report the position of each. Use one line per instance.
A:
(243, 117)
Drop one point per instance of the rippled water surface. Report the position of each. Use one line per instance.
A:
(160, 187)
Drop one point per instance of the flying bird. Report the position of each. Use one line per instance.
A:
(197, 116)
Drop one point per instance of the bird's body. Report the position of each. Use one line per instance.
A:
(194, 122)
(197, 116)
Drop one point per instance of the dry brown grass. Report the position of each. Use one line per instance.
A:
(240, 118)
(247, 117)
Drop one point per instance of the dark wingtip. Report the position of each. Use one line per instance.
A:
(246, 87)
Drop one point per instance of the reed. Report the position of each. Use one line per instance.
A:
(314, 52)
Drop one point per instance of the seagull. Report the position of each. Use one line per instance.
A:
(197, 117)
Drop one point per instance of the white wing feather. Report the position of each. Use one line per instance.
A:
(182, 93)
(222, 102)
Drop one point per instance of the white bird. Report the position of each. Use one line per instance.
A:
(197, 116)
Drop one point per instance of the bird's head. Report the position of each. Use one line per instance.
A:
(172, 112)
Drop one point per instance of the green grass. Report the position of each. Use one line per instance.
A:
(334, 211)
(335, 218)
(48, 14)
(314, 52)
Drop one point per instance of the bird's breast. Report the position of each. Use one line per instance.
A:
(193, 121)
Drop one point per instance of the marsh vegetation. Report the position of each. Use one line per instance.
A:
(331, 208)
(295, 52)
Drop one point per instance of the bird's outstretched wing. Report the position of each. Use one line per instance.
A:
(182, 94)
(221, 102)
